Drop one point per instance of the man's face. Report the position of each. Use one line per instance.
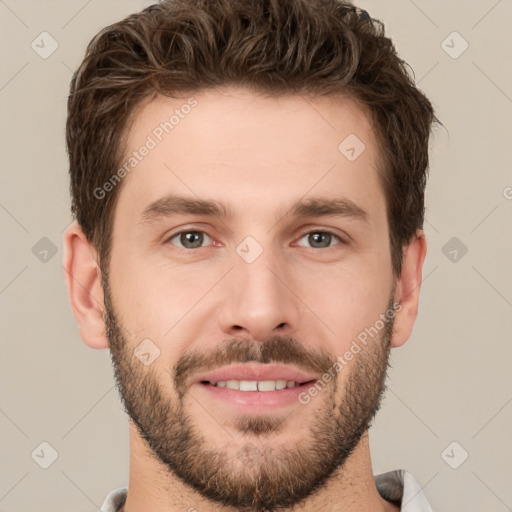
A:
(267, 287)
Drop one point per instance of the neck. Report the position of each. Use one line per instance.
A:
(153, 487)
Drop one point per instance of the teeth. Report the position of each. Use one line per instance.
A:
(254, 385)
(267, 385)
(248, 385)
(280, 384)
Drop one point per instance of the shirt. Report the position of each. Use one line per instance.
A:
(399, 487)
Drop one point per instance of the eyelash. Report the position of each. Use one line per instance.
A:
(323, 232)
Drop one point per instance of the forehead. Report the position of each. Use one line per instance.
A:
(233, 144)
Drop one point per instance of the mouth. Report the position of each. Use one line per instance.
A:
(256, 377)
(254, 388)
(255, 385)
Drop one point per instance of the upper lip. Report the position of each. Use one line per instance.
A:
(255, 371)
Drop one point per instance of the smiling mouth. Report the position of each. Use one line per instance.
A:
(254, 385)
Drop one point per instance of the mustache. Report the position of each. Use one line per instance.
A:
(275, 349)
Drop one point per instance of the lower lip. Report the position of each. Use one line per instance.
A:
(255, 401)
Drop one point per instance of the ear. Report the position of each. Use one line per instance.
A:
(408, 288)
(83, 280)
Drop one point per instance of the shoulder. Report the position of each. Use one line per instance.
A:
(401, 488)
(115, 500)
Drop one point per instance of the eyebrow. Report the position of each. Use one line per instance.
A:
(172, 205)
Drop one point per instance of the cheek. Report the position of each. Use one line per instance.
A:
(345, 302)
(153, 299)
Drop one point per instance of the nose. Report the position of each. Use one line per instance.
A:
(259, 301)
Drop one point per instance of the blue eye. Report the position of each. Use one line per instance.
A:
(320, 239)
(190, 239)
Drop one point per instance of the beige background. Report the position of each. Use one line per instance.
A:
(451, 382)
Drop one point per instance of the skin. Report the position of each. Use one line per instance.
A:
(257, 156)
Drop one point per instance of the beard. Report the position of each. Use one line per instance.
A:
(261, 476)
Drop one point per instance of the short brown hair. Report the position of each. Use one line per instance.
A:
(275, 47)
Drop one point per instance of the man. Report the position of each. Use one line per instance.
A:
(248, 182)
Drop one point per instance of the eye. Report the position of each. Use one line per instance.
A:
(320, 239)
(189, 239)
(192, 239)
